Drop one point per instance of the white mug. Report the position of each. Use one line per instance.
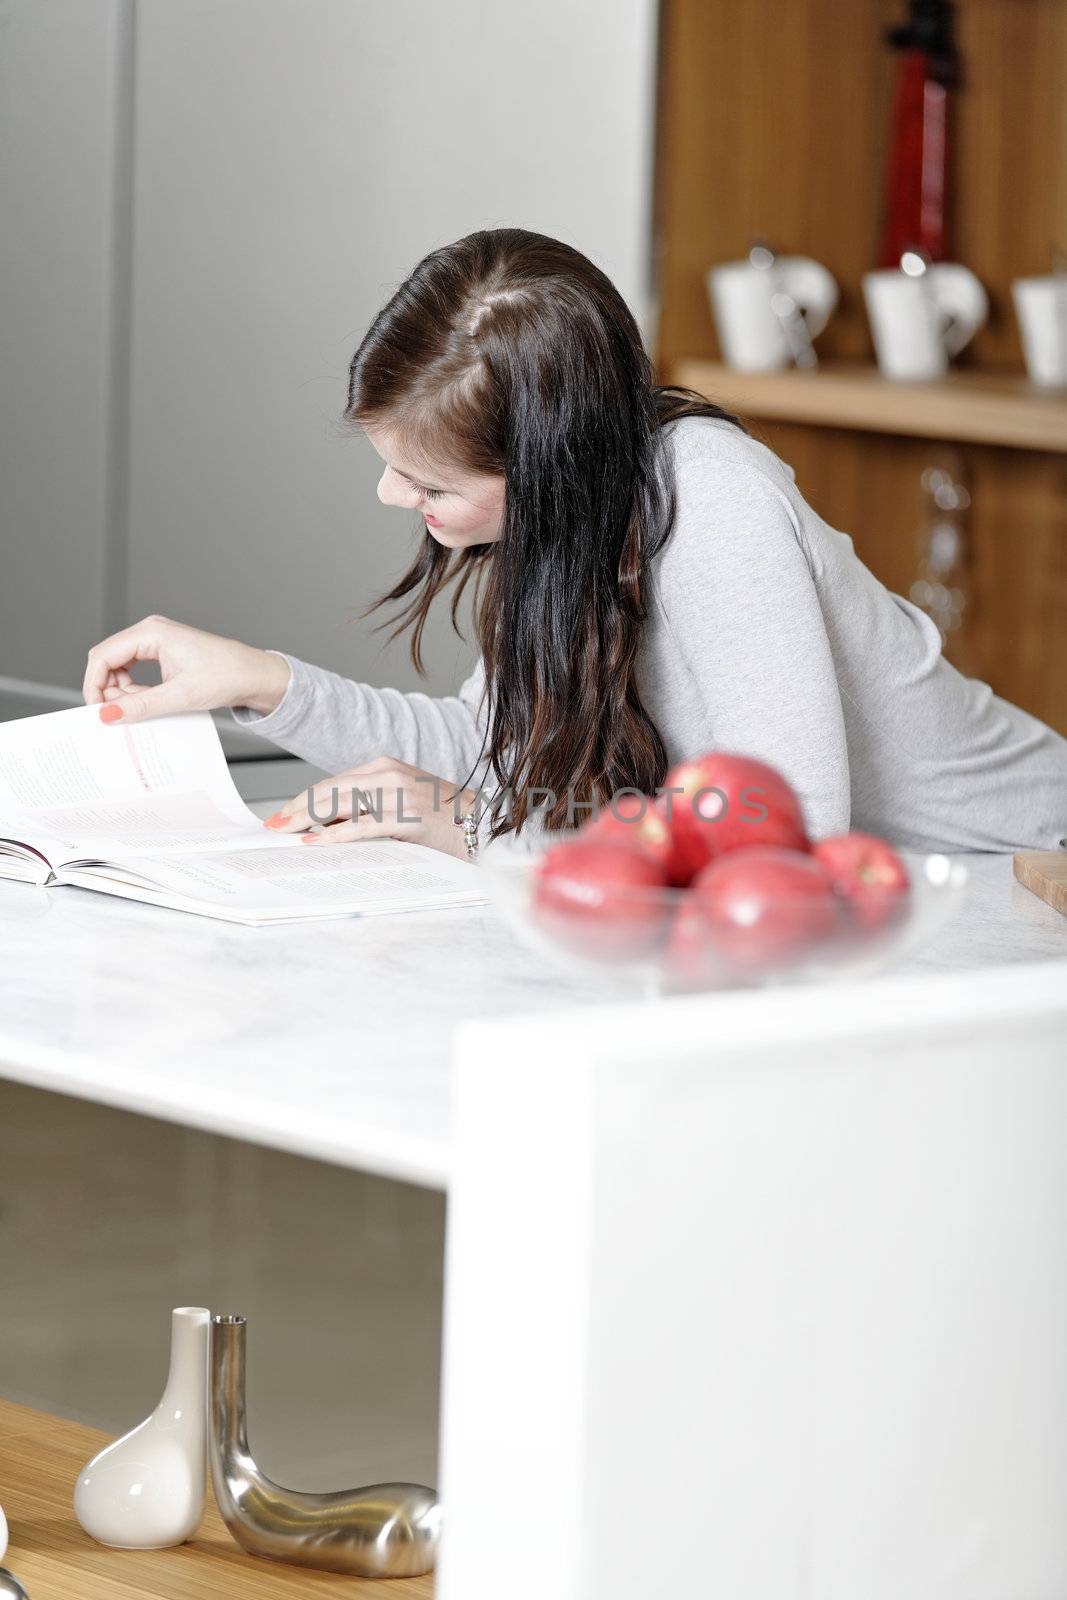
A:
(919, 321)
(751, 333)
(1041, 307)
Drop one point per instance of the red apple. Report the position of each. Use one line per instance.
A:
(600, 897)
(634, 821)
(690, 960)
(766, 908)
(868, 874)
(727, 802)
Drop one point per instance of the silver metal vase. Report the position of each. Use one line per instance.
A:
(388, 1530)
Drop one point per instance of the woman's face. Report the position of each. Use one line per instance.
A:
(459, 508)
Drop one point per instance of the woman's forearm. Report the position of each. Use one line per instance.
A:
(335, 723)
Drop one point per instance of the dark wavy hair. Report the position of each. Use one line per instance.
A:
(512, 354)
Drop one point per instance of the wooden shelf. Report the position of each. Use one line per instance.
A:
(976, 408)
(40, 1457)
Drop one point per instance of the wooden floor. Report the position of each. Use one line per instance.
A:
(40, 1457)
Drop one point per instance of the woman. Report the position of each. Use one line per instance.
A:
(649, 583)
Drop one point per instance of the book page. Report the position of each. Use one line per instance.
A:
(307, 880)
(23, 865)
(79, 786)
(164, 824)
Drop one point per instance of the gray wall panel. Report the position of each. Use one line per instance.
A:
(61, 165)
(293, 163)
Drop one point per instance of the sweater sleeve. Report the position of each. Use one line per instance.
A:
(743, 621)
(336, 723)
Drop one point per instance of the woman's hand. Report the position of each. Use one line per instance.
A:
(385, 799)
(200, 672)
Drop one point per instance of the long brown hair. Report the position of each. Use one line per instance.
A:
(512, 354)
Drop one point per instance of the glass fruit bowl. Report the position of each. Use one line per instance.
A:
(675, 941)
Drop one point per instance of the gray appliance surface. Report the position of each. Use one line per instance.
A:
(278, 780)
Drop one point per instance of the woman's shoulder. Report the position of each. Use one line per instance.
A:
(716, 443)
(736, 502)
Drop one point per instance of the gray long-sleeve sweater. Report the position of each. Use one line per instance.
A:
(766, 635)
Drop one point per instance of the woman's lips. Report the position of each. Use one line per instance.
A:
(433, 522)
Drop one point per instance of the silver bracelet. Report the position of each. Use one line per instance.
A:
(469, 824)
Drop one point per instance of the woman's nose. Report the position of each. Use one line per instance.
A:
(394, 491)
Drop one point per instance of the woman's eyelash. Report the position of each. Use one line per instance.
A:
(431, 494)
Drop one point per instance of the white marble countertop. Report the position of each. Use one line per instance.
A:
(327, 1039)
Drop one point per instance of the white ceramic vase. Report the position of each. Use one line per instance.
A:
(146, 1491)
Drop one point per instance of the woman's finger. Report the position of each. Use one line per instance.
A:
(122, 691)
(328, 801)
(355, 831)
(325, 803)
(117, 653)
(383, 787)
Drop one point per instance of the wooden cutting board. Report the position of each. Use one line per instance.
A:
(1044, 872)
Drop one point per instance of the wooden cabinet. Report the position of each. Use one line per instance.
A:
(772, 123)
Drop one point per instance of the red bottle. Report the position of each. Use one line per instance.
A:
(917, 210)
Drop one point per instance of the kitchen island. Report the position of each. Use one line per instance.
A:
(203, 1023)
(611, 1166)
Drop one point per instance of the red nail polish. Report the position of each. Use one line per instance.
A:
(310, 838)
(110, 713)
(278, 820)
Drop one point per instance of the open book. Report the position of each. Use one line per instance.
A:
(149, 811)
